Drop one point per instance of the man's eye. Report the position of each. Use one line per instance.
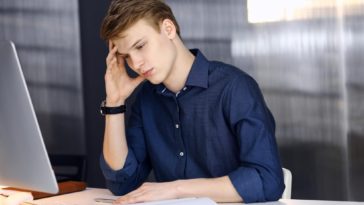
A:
(140, 46)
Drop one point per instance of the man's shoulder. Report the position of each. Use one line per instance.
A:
(222, 71)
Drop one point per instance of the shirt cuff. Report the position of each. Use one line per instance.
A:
(248, 184)
(120, 175)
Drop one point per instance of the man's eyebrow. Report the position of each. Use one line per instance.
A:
(123, 54)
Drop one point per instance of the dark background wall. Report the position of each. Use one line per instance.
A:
(94, 52)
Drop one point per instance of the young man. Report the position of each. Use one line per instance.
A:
(202, 126)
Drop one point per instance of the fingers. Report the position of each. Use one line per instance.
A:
(110, 46)
(112, 51)
(136, 196)
(131, 198)
(111, 66)
(149, 192)
(136, 81)
(120, 60)
(114, 63)
(111, 56)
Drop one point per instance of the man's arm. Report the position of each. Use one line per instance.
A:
(136, 165)
(219, 189)
(118, 87)
(115, 148)
(259, 177)
(123, 163)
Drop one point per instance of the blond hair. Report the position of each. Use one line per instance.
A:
(122, 14)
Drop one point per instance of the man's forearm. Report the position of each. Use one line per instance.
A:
(219, 189)
(115, 147)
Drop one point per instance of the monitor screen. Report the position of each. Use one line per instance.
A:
(24, 162)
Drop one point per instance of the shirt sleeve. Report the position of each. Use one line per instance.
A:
(137, 166)
(259, 177)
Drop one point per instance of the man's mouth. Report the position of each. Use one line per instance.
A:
(148, 73)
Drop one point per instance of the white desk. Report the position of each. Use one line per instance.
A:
(87, 198)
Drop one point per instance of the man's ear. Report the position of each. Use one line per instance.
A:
(168, 28)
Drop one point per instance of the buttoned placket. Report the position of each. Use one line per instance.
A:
(181, 150)
(181, 153)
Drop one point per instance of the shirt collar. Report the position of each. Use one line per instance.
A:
(198, 75)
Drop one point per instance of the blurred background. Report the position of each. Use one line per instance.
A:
(307, 56)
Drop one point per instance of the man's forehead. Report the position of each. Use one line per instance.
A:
(137, 31)
(141, 26)
(127, 40)
(124, 45)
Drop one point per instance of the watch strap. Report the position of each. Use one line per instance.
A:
(104, 110)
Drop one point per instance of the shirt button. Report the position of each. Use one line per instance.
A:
(181, 154)
(177, 126)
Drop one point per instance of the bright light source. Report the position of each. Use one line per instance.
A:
(261, 11)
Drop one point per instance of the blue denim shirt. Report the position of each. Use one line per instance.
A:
(217, 125)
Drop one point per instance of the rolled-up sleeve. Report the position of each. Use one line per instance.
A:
(119, 175)
(259, 177)
(136, 167)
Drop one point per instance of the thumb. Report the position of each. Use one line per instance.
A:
(136, 81)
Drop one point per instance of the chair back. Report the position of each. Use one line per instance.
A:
(288, 183)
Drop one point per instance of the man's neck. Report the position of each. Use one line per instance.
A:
(179, 74)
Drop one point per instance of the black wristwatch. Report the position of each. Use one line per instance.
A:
(111, 110)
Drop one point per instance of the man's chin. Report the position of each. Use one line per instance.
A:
(154, 81)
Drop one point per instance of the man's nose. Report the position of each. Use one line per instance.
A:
(137, 61)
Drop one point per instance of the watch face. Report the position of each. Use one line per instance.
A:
(102, 108)
(101, 111)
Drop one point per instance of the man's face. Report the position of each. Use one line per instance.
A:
(148, 52)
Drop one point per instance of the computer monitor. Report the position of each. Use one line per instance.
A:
(24, 162)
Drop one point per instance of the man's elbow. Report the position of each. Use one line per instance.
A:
(274, 193)
(118, 189)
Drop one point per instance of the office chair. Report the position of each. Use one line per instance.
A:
(287, 175)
